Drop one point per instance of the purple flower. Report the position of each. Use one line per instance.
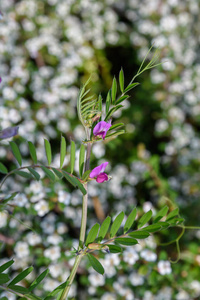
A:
(0, 80)
(101, 129)
(98, 172)
(9, 132)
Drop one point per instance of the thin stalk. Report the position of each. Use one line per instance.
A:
(84, 219)
(71, 277)
(83, 223)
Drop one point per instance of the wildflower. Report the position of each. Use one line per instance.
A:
(164, 267)
(52, 253)
(21, 249)
(136, 279)
(148, 255)
(42, 208)
(98, 172)
(8, 132)
(130, 256)
(101, 129)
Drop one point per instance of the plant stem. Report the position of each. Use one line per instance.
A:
(84, 219)
(71, 277)
(83, 223)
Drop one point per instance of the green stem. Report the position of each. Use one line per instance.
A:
(71, 277)
(83, 223)
(84, 219)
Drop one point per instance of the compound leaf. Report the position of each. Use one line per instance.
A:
(72, 156)
(49, 174)
(116, 224)
(121, 80)
(16, 152)
(3, 169)
(161, 214)
(37, 281)
(32, 152)
(144, 219)
(21, 276)
(6, 265)
(34, 173)
(126, 241)
(104, 228)
(48, 151)
(92, 234)
(97, 266)
(130, 220)
(62, 151)
(81, 159)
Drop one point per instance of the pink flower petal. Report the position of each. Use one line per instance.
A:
(102, 177)
(98, 170)
(101, 129)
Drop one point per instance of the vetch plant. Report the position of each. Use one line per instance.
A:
(99, 174)
(105, 237)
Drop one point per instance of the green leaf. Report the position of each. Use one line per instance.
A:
(86, 175)
(112, 111)
(163, 224)
(81, 160)
(32, 297)
(72, 156)
(130, 220)
(114, 134)
(139, 234)
(152, 228)
(49, 174)
(3, 169)
(104, 228)
(4, 278)
(92, 234)
(21, 276)
(116, 224)
(5, 200)
(108, 101)
(114, 249)
(32, 152)
(18, 289)
(175, 221)
(100, 103)
(172, 214)
(48, 150)
(56, 290)
(126, 241)
(37, 281)
(144, 219)
(161, 214)
(24, 174)
(16, 152)
(69, 178)
(58, 173)
(131, 86)
(62, 151)
(114, 90)
(34, 173)
(121, 99)
(121, 80)
(116, 126)
(6, 265)
(97, 266)
(79, 185)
